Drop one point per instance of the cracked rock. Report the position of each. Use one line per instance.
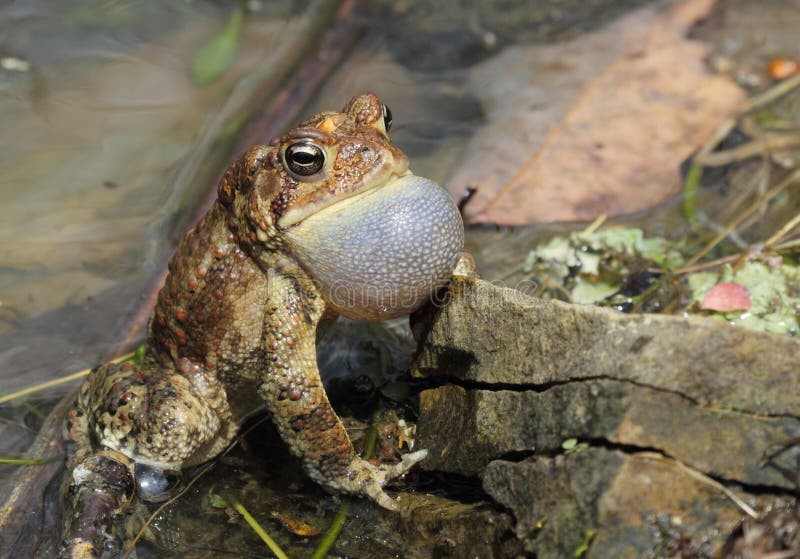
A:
(607, 497)
(670, 411)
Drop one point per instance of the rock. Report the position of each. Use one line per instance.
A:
(487, 334)
(668, 411)
(628, 505)
(491, 424)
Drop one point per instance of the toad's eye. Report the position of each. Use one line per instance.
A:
(304, 158)
(387, 118)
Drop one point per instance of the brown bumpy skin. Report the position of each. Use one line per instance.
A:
(235, 323)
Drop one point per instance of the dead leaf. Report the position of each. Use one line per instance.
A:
(595, 125)
(726, 297)
(296, 526)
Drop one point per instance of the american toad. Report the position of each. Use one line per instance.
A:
(325, 220)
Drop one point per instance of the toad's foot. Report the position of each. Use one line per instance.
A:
(363, 478)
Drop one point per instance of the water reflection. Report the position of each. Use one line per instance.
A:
(106, 146)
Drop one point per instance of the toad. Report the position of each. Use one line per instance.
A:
(326, 220)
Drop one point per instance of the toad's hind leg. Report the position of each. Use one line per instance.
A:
(164, 418)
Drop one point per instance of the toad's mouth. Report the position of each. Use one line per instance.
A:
(296, 215)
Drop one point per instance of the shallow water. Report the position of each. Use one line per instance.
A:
(108, 146)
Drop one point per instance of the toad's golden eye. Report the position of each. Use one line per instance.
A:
(304, 158)
(387, 118)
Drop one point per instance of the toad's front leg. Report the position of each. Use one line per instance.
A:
(293, 391)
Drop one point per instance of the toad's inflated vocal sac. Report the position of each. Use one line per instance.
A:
(326, 220)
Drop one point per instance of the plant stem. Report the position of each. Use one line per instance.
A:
(253, 523)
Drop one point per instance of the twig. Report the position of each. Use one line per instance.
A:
(55, 382)
(704, 157)
(30, 461)
(786, 245)
(595, 225)
(780, 233)
(720, 134)
(766, 144)
(775, 242)
(780, 187)
(788, 554)
(755, 186)
(702, 478)
(772, 94)
(702, 265)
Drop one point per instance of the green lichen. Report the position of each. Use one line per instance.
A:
(774, 297)
(622, 268)
(592, 268)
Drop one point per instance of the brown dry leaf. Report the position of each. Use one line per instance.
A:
(596, 125)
